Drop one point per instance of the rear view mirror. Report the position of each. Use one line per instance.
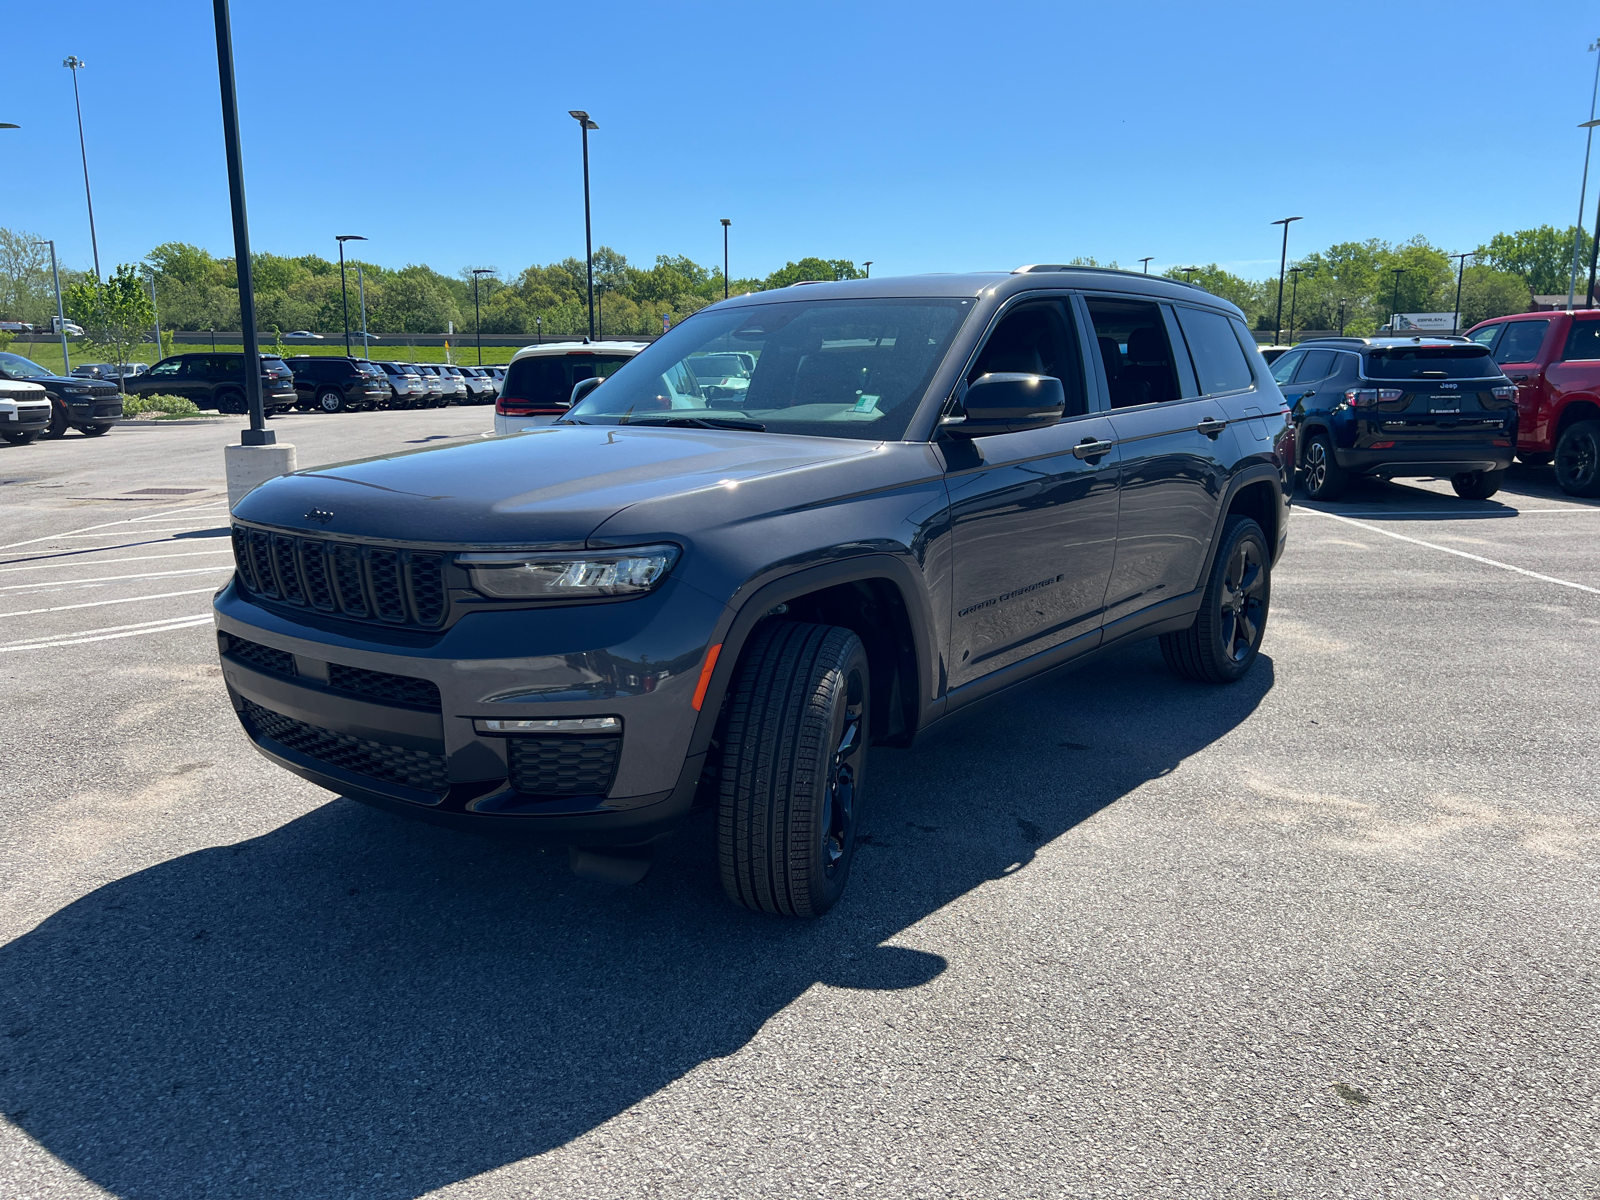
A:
(584, 386)
(1008, 402)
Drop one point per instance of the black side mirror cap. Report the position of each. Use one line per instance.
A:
(1008, 402)
(584, 386)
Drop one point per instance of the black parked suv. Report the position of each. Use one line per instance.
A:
(337, 384)
(215, 379)
(931, 490)
(1397, 406)
(90, 405)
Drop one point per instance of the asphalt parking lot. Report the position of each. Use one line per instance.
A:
(1329, 932)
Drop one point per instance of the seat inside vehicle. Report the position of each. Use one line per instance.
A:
(1036, 340)
(1134, 349)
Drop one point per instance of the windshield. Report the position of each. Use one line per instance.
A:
(1430, 362)
(834, 368)
(23, 368)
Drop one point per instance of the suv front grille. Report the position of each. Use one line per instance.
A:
(379, 685)
(421, 769)
(563, 766)
(363, 583)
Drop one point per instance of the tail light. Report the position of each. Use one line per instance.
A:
(1505, 395)
(513, 407)
(1371, 397)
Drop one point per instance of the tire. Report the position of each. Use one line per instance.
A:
(1577, 460)
(1531, 458)
(1477, 485)
(331, 400)
(22, 439)
(58, 420)
(95, 430)
(794, 738)
(232, 403)
(1320, 472)
(1225, 639)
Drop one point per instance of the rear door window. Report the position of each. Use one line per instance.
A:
(1219, 360)
(1131, 338)
(1317, 364)
(1521, 341)
(1283, 369)
(1583, 342)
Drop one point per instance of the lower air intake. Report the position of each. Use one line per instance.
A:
(421, 769)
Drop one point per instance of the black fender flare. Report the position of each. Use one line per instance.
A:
(734, 630)
(1249, 477)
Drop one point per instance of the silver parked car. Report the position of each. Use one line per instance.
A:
(406, 389)
(453, 379)
(439, 393)
(481, 387)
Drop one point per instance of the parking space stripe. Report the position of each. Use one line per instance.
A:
(1400, 537)
(48, 583)
(106, 562)
(106, 632)
(102, 603)
(102, 525)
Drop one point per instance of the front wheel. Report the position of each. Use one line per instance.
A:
(1222, 644)
(1477, 485)
(58, 421)
(794, 738)
(95, 430)
(1578, 459)
(21, 439)
(331, 401)
(1321, 474)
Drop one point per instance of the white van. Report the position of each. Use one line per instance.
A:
(539, 382)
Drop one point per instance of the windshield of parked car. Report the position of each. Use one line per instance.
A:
(1430, 362)
(23, 368)
(832, 368)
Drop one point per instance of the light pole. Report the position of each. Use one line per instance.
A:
(1188, 273)
(1455, 317)
(61, 316)
(867, 268)
(344, 295)
(1294, 297)
(1283, 261)
(1146, 261)
(1583, 190)
(1342, 302)
(361, 291)
(154, 311)
(477, 318)
(725, 224)
(1394, 300)
(9, 125)
(585, 124)
(258, 434)
(73, 63)
(538, 325)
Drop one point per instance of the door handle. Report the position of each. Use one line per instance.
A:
(1211, 427)
(1091, 448)
(1308, 395)
(1519, 379)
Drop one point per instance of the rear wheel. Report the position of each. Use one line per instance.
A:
(794, 743)
(1477, 485)
(232, 402)
(331, 400)
(95, 430)
(1577, 459)
(1222, 644)
(1320, 472)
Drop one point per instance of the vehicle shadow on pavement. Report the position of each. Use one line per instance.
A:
(359, 1005)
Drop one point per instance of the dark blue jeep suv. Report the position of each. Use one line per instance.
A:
(681, 594)
(1399, 406)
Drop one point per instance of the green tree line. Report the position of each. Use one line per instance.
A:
(195, 290)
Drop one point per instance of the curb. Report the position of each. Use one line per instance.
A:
(130, 422)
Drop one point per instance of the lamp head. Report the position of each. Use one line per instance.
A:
(73, 62)
(348, 237)
(725, 222)
(9, 125)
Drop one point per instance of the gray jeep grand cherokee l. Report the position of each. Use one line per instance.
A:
(930, 490)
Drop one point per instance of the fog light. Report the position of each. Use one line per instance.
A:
(557, 725)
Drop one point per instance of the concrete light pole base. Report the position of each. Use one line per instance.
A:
(251, 466)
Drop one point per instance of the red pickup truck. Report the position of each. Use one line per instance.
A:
(1554, 359)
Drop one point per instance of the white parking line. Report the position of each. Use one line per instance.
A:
(110, 633)
(1400, 537)
(102, 603)
(102, 525)
(122, 533)
(41, 584)
(1453, 514)
(106, 562)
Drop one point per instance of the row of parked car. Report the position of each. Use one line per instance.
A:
(329, 383)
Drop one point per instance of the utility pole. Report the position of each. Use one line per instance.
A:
(1294, 298)
(1394, 301)
(1583, 190)
(74, 64)
(586, 125)
(154, 311)
(725, 224)
(361, 289)
(1455, 317)
(1283, 262)
(344, 295)
(61, 316)
(477, 315)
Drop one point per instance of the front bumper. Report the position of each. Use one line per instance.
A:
(429, 759)
(1427, 458)
(25, 420)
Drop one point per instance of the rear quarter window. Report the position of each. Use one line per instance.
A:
(1521, 341)
(1219, 360)
(1583, 342)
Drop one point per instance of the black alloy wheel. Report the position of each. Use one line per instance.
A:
(1477, 485)
(231, 402)
(331, 400)
(22, 439)
(1320, 472)
(1225, 639)
(96, 429)
(1577, 459)
(58, 419)
(793, 740)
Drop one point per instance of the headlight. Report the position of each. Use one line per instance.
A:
(511, 576)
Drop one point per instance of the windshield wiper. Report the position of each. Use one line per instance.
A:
(704, 422)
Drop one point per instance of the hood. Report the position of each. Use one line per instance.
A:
(547, 487)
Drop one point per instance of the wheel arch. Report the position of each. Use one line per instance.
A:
(1256, 486)
(1573, 411)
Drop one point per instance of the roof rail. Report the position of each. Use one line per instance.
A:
(1037, 268)
(803, 282)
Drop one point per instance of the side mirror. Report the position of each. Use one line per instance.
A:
(1008, 402)
(584, 386)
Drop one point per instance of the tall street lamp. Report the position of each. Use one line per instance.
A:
(1294, 297)
(1146, 261)
(585, 124)
(866, 268)
(344, 294)
(73, 63)
(1583, 189)
(61, 316)
(1188, 273)
(361, 291)
(725, 224)
(477, 316)
(154, 311)
(1283, 262)
(258, 434)
(1342, 302)
(1394, 300)
(1461, 270)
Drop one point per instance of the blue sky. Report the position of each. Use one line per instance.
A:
(925, 136)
